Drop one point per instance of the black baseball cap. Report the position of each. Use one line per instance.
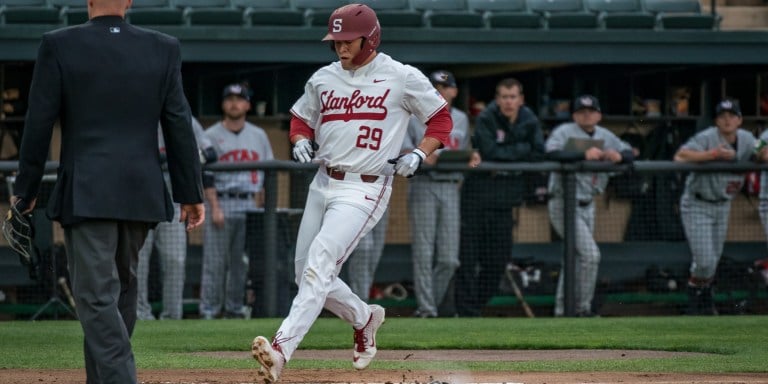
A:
(236, 90)
(728, 105)
(586, 102)
(443, 78)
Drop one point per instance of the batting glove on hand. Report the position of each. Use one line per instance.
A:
(407, 164)
(303, 151)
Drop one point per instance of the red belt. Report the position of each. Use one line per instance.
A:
(340, 175)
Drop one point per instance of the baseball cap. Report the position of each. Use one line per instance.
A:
(443, 78)
(586, 101)
(728, 105)
(236, 90)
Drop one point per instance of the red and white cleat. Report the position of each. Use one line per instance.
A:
(365, 338)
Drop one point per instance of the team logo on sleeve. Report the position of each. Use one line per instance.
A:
(354, 107)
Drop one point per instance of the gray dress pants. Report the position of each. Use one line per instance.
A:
(102, 257)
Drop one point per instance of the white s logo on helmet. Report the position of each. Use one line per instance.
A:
(336, 25)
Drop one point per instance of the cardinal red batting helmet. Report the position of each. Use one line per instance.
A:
(352, 21)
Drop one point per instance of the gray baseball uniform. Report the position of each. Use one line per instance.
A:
(763, 196)
(225, 262)
(169, 239)
(588, 185)
(433, 207)
(706, 202)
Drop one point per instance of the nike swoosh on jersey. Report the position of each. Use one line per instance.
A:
(379, 80)
(369, 198)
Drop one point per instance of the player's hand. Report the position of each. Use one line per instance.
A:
(407, 164)
(303, 152)
(726, 153)
(763, 154)
(593, 153)
(475, 160)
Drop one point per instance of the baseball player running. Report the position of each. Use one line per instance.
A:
(225, 264)
(357, 111)
(706, 201)
(605, 147)
(433, 207)
(170, 241)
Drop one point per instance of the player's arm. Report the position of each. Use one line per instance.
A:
(687, 155)
(555, 147)
(302, 137)
(438, 130)
(437, 133)
(213, 201)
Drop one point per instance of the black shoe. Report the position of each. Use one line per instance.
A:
(708, 302)
(701, 301)
(587, 314)
(233, 315)
(424, 315)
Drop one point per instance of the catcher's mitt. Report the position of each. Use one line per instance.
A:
(19, 232)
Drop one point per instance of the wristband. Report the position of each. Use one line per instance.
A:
(420, 154)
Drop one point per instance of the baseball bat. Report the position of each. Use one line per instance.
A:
(67, 292)
(518, 293)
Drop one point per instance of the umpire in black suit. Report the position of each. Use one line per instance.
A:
(109, 84)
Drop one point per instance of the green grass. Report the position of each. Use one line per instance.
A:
(732, 343)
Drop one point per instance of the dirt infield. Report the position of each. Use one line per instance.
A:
(231, 376)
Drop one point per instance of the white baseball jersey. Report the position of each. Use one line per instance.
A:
(360, 117)
(588, 184)
(719, 185)
(250, 144)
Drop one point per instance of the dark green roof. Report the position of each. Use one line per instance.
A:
(446, 45)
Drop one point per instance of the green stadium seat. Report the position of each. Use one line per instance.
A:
(209, 12)
(394, 13)
(269, 12)
(28, 12)
(681, 14)
(317, 12)
(448, 14)
(154, 12)
(505, 13)
(621, 14)
(564, 13)
(72, 12)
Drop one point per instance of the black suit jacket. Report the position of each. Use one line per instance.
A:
(109, 83)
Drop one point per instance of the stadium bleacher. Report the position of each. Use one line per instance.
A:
(479, 14)
(621, 14)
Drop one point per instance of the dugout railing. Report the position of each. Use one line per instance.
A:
(286, 182)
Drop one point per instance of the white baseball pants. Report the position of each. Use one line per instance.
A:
(337, 214)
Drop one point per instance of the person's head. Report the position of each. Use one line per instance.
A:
(586, 112)
(728, 116)
(355, 34)
(509, 97)
(98, 8)
(445, 84)
(235, 101)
